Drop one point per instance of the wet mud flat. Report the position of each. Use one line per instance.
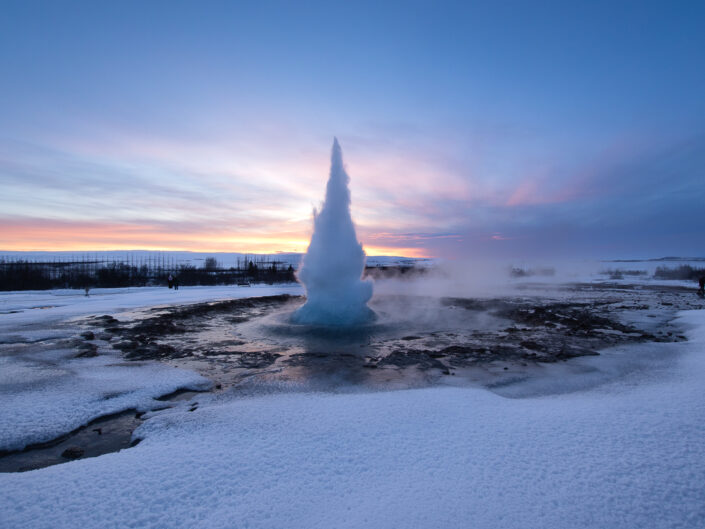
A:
(247, 346)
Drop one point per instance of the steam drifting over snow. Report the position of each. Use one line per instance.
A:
(332, 268)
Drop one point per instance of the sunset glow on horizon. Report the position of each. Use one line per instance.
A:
(87, 237)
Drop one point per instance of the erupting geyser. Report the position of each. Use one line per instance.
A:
(332, 268)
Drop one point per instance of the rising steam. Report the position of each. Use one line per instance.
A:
(331, 270)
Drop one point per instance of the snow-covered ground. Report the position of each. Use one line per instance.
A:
(625, 454)
(45, 395)
(45, 391)
(42, 307)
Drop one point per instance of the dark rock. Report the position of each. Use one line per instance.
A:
(150, 350)
(87, 354)
(72, 452)
(126, 345)
(528, 344)
(406, 358)
(260, 359)
(158, 326)
(458, 350)
(87, 350)
(88, 335)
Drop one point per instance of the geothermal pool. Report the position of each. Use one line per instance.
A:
(86, 378)
(528, 342)
(252, 344)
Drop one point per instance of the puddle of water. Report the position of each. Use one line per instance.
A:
(180, 395)
(102, 436)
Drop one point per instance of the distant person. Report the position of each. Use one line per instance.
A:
(170, 280)
(701, 290)
(176, 283)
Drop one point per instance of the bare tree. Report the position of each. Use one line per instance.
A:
(210, 263)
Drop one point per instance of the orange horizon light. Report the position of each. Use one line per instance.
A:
(76, 236)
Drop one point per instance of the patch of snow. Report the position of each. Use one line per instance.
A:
(43, 398)
(48, 392)
(64, 304)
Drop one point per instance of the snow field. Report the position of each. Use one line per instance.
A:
(626, 455)
(41, 401)
(64, 304)
(48, 393)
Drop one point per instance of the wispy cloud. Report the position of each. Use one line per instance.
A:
(415, 199)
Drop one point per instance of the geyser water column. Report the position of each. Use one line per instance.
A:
(331, 270)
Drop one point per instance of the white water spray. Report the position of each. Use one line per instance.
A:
(332, 268)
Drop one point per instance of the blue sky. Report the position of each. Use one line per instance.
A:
(510, 129)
